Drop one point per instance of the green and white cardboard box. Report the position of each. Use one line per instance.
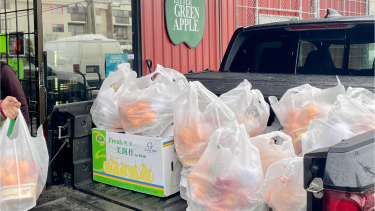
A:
(144, 164)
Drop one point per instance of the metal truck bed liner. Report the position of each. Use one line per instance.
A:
(133, 200)
(101, 197)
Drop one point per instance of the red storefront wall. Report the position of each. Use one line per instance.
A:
(228, 24)
(246, 9)
(157, 46)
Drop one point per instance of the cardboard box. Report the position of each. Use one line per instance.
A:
(139, 163)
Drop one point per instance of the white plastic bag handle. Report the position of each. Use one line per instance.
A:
(23, 123)
(276, 134)
(273, 100)
(4, 129)
(171, 74)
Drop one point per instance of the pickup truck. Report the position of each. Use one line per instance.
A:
(274, 58)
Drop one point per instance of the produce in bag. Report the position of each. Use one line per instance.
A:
(23, 166)
(351, 115)
(300, 105)
(198, 114)
(228, 175)
(273, 147)
(282, 188)
(249, 107)
(104, 110)
(147, 108)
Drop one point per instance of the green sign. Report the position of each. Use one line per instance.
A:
(185, 20)
(3, 43)
(14, 64)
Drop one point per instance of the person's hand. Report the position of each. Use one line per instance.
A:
(10, 106)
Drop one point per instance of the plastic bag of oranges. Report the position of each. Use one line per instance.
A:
(198, 113)
(351, 115)
(104, 110)
(273, 147)
(300, 105)
(147, 108)
(249, 106)
(282, 188)
(23, 166)
(228, 175)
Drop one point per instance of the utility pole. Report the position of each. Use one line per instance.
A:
(109, 21)
(90, 22)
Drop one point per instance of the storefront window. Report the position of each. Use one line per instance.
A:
(78, 35)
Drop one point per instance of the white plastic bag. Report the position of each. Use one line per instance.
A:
(104, 110)
(269, 151)
(282, 188)
(300, 105)
(23, 166)
(350, 116)
(228, 175)
(198, 113)
(249, 107)
(147, 108)
(184, 179)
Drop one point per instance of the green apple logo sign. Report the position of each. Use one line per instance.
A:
(185, 20)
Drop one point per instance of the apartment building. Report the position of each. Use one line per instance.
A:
(65, 18)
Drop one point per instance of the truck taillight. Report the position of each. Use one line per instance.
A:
(76, 67)
(348, 201)
(319, 27)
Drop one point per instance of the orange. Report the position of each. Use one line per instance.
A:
(122, 108)
(3, 172)
(255, 132)
(249, 117)
(129, 112)
(311, 110)
(293, 126)
(23, 168)
(202, 134)
(142, 106)
(186, 135)
(269, 197)
(197, 187)
(11, 179)
(148, 117)
(292, 113)
(305, 122)
(136, 122)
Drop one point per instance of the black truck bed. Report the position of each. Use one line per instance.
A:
(275, 84)
(95, 196)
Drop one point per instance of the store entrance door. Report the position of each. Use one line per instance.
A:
(21, 44)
